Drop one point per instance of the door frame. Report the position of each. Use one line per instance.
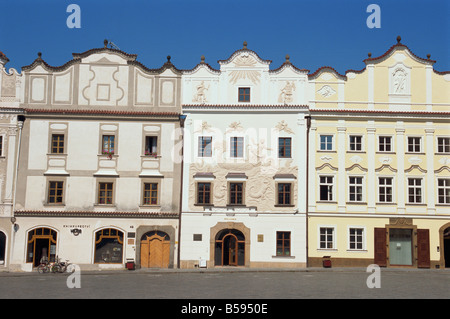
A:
(441, 245)
(143, 229)
(229, 225)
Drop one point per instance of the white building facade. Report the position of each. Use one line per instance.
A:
(11, 121)
(244, 169)
(99, 181)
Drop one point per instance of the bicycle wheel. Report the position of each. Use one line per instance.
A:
(42, 269)
(56, 268)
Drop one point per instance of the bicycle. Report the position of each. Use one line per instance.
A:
(44, 267)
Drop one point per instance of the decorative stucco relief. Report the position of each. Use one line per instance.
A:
(245, 61)
(326, 91)
(287, 92)
(283, 126)
(200, 93)
(259, 190)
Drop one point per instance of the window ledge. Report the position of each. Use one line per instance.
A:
(284, 257)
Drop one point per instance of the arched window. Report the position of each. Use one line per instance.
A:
(108, 246)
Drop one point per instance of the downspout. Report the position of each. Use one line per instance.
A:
(308, 125)
(182, 119)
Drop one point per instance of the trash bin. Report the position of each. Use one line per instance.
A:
(326, 261)
(130, 265)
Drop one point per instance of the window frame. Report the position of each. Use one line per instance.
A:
(244, 97)
(415, 188)
(283, 240)
(284, 147)
(385, 187)
(444, 188)
(198, 191)
(99, 189)
(444, 144)
(230, 194)
(327, 184)
(289, 193)
(384, 144)
(355, 143)
(150, 197)
(107, 151)
(414, 145)
(56, 189)
(234, 145)
(59, 149)
(333, 237)
(356, 186)
(331, 143)
(362, 237)
(202, 147)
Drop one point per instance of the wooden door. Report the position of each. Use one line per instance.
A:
(380, 247)
(423, 248)
(155, 252)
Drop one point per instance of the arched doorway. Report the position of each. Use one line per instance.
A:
(2, 248)
(446, 239)
(41, 245)
(155, 250)
(230, 248)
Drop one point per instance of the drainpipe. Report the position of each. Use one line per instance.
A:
(182, 120)
(308, 125)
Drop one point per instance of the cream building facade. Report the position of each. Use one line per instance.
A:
(379, 163)
(244, 170)
(98, 180)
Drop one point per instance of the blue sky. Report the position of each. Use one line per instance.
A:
(314, 33)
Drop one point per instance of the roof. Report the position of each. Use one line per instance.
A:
(3, 56)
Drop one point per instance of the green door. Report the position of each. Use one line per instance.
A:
(400, 247)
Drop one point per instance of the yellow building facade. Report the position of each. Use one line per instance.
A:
(379, 163)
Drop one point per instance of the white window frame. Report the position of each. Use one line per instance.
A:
(363, 238)
(392, 187)
(199, 147)
(333, 189)
(422, 193)
(379, 144)
(332, 142)
(445, 187)
(437, 144)
(356, 185)
(420, 144)
(333, 238)
(362, 150)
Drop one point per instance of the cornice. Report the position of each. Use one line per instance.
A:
(93, 214)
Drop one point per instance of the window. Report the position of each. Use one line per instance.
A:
(355, 143)
(414, 190)
(283, 243)
(326, 238)
(443, 144)
(108, 246)
(326, 188)
(284, 194)
(385, 189)
(356, 238)
(204, 193)
(236, 193)
(55, 192)
(244, 95)
(385, 144)
(105, 193)
(237, 146)
(57, 144)
(284, 147)
(326, 142)
(150, 194)
(444, 190)
(355, 189)
(151, 145)
(108, 144)
(204, 146)
(414, 144)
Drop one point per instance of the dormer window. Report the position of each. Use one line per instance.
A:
(244, 95)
